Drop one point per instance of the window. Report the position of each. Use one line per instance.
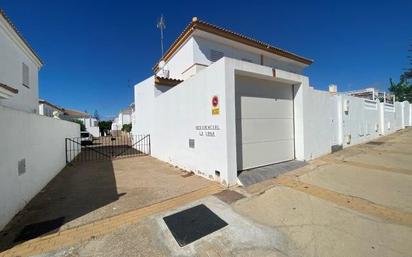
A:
(215, 55)
(25, 75)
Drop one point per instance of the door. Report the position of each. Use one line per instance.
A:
(264, 122)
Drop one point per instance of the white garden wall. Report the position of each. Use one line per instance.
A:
(320, 123)
(399, 116)
(323, 121)
(40, 141)
(182, 114)
(360, 120)
(387, 118)
(407, 113)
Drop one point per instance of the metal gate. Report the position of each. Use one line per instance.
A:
(79, 149)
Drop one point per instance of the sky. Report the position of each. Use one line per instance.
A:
(95, 51)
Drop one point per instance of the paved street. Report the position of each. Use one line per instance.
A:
(356, 202)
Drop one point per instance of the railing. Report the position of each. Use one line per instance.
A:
(80, 149)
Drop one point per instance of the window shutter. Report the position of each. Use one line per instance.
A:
(26, 75)
(215, 55)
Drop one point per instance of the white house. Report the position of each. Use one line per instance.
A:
(124, 117)
(32, 148)
(47, 109)
(91, 124)
(220, 103)
(19, 68)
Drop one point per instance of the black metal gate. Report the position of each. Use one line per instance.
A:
(80, 149)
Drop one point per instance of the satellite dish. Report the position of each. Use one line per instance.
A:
(162, 64)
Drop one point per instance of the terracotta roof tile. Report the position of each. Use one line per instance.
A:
(167, 81)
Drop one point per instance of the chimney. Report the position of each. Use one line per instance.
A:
(333, 88)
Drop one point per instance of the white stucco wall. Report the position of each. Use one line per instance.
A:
(94, 131)
(47, 110)
(180, 61)
(195, 54)
(39, 140)
(183, 113)
(91, 125)
(399, 116)
(361, 121)
(406, 106)
(125, 118)
(144, 94)
(12, 57)
(203, 47)
(387, 118)
(321, 123)
(172, 116)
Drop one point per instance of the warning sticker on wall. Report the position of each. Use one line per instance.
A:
(215, 105)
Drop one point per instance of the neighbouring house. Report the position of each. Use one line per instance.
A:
(220, 103)
(125, 116)
(32, 148)
(19, 68)
(91, 124)
(47, 108)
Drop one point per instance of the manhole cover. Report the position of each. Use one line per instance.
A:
(37, 229)
(192, 224)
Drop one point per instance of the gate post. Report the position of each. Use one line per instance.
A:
(150, 147)
(65, 149)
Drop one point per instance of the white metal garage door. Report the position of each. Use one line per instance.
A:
(264, 122)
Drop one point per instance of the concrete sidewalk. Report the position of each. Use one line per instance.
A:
(356, 202)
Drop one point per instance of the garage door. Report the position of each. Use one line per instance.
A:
(264, 122)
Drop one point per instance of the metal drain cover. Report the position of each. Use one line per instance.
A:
(192, 224)
(37, 229)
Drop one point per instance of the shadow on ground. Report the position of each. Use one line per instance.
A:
(74, 192)
(94, 190)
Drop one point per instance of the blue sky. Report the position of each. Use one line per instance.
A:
(95, 50)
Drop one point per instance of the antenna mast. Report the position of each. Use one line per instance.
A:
(161, 25)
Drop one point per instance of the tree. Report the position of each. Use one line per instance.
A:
(105, 126)
(82, 127)
(408, 72)
(127, 127)
(96, 115)
(402, 90)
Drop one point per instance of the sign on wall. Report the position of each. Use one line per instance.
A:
(215, 105)
(207, 130)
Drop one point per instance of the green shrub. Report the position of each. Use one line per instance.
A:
(127, 127)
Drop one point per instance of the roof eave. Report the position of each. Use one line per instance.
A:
(22, 39)
(200, 25)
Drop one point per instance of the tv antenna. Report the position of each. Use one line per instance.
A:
(161, 25)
